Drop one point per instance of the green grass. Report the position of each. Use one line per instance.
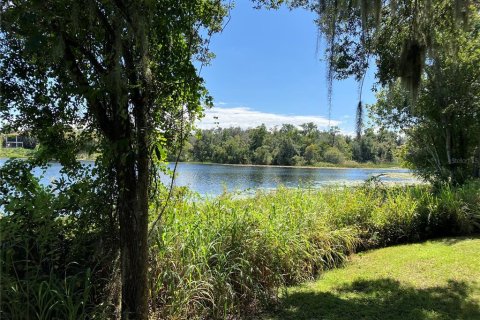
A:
(8, 153)
(433, 280)
(15, 153)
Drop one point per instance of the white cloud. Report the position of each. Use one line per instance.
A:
(244, 117)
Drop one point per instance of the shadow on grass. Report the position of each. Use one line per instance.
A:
(382, 299)
(453, 241)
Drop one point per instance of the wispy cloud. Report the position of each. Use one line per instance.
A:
(244, 117)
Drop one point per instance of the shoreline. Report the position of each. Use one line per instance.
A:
(292, 167)
(256, 165)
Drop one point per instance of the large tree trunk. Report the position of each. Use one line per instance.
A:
(133, 217)
(132, 165)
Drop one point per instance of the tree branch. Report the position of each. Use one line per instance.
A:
(93, 104)
(88, 54)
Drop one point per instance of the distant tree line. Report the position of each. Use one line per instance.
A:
(290, 145)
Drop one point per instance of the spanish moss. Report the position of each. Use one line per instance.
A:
(359, 120)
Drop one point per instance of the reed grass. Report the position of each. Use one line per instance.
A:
(227, 257)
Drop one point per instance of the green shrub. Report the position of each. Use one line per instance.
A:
(52, 259)
(333, 155)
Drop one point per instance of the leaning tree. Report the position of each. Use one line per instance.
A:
(121, 70)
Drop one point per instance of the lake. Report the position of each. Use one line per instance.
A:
(213, 179)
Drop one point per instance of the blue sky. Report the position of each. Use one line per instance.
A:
(267, 68)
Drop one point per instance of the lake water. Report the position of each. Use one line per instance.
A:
(213, 179)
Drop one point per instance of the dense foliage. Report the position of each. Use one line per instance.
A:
(56, 257)
(210, 259)
(442, 124)
(291, 145)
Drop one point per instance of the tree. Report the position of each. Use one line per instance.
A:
(333, 155)
(442, 124)
(333, 132)
(118, 69)
(257, 137)
(397, 34)
(364, 148)
(262, 155)
(312, 154)
(285, 152)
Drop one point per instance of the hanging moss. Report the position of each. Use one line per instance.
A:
(411, 63)
(393, 5)
(461, 9)
(368, 13)
(359, 120)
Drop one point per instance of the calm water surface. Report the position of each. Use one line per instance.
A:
(213, 179)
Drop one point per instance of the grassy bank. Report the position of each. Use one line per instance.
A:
(228, 256)
(433, 280)
(6, 153)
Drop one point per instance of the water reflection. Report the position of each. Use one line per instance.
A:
(213, 179)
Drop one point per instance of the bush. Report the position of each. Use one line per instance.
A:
(56, 252)
(333, 155)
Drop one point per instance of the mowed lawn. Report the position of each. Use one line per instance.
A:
(435, 280)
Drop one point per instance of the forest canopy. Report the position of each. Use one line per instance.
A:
(292, 145)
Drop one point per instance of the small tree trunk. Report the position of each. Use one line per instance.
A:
(476, 163)
(448, 146)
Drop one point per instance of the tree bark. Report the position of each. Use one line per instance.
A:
(132, 167)
(133, 218)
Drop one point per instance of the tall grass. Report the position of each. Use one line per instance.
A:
(227, 257)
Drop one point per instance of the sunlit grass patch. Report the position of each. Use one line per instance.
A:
(432, 280)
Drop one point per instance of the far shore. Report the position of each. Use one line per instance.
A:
(360, 166)
(24, 154)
